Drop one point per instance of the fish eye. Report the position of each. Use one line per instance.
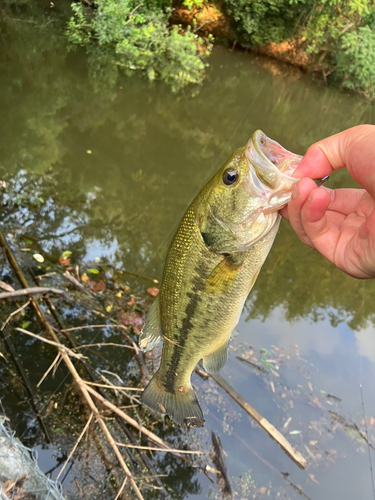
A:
(230, 177)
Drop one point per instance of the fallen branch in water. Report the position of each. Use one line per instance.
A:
(35, 290)
(284, 476)
(295, 455)
(153, 448)
(218, 459)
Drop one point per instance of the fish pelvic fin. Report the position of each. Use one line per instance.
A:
(182, 405)
(215, 361)
(151, 332)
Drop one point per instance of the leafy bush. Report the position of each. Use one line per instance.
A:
(357, 61)
(340, 33)
(137, 37)
(260, 21)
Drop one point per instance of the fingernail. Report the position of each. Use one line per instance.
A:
(330, 191)
(295, 192)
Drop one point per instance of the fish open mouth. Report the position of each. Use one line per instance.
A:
(268, 154)
(272, 152)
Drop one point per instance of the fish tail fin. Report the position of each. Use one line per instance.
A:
(182, 405)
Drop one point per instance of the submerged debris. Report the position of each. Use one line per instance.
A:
(218, 459)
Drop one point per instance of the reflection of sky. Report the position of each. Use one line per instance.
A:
(338, 357)
(334, 360)
(366, 342)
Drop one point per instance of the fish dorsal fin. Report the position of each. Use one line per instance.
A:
(215, 361)
(223, 276)
(151, 332)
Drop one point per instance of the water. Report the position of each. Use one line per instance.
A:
(112, 171)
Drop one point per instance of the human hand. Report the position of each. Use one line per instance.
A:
(339, 223)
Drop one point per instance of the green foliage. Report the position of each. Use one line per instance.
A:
(357, 61)
(261, 21)
(341, 34)
(193, 3)
(134, 36)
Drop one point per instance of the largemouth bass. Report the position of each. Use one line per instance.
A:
(213, 261)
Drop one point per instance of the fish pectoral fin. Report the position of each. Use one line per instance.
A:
(151, 332)
(223, 276)
(181, 405)
(215, 361)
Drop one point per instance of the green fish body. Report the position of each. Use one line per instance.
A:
(213, 261)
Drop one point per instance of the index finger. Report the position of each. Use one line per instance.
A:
(353, 148)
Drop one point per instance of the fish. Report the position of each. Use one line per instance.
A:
(211, 266)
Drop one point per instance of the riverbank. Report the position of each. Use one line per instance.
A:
(209, 19)
(331, 43)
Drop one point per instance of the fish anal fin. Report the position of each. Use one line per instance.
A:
(151, 332)
(223, 276)
(181, 405)
(215, 361)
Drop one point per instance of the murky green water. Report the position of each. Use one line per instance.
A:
(113, 169)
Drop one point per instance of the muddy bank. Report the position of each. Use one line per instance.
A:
(209, 19)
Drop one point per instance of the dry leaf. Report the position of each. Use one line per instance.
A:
(85, 278)
(153, 291)
(64, 260)
(131, 301)
(313, 443)
(98, 287)
(310, 386)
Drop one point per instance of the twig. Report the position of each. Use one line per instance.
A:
(128, 419)
(84, 327)
(201, 373)
(82, 346)
(64, 353)
(13, 314)
(295, 455)
(140, 276)
(49, 369)
(145, 375)
(84, 389)
(132, 12)
(152, 448)
(259, 368)
(75, 446)
(75, 282)
(6, 287)
(36, 290)
(52, 342)
(115, 387)
(122, 488)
